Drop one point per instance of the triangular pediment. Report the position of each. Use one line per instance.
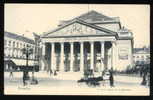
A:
(79, 28)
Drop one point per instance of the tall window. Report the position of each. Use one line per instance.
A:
(17, 45)
(20, 45)
(9, 43)
(13, 43)
(13, 52)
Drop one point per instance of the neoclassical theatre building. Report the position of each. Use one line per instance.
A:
(90, 41)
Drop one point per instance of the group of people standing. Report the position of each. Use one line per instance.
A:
(146, 79)
(108, 75)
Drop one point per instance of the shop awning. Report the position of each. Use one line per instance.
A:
(10, 62)
(21, 62)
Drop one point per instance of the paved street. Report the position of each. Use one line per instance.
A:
(66, 84)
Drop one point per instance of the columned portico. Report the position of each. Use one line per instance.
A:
(91, 66)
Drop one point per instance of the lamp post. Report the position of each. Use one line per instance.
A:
(37, 41)
(26, 51)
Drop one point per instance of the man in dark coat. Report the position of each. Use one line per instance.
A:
(11, 72)
(111, 78)
(24, 78)
(144, 80)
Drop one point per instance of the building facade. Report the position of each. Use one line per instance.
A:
(141, 56)
(13, 54)
(91, 41)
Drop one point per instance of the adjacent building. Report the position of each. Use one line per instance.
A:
(141, 56)
(91, 41)
(13, 54)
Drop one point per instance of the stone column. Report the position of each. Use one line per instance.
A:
(92, 55)
(102, 56)
(71, 56)
(43, 64)
(131, 55)
(53, 56)
(62, 57)
(81, 57)
(113, 55)
(33, 52)
(110, 59)
(43, 49)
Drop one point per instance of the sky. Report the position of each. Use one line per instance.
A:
(39, 18)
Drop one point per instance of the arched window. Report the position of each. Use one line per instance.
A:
(20, 45)
(15, 52)
(6, 51)
(9, 43)
(6, 67)
(13, 43)
(9, 52)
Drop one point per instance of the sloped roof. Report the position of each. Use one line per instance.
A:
(94, 16)
(84, 23)
(91, 17)
(18, 37)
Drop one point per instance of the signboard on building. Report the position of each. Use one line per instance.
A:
(123, 53)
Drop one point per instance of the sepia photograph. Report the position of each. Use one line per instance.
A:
(77, 49)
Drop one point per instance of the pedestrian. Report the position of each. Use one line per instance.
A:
(24, 78)
(91, 74)
(55, 73)
(111, 78)
(50, 72)
(103, 81)
(11, 72)
(144, 81)
(148, 79)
